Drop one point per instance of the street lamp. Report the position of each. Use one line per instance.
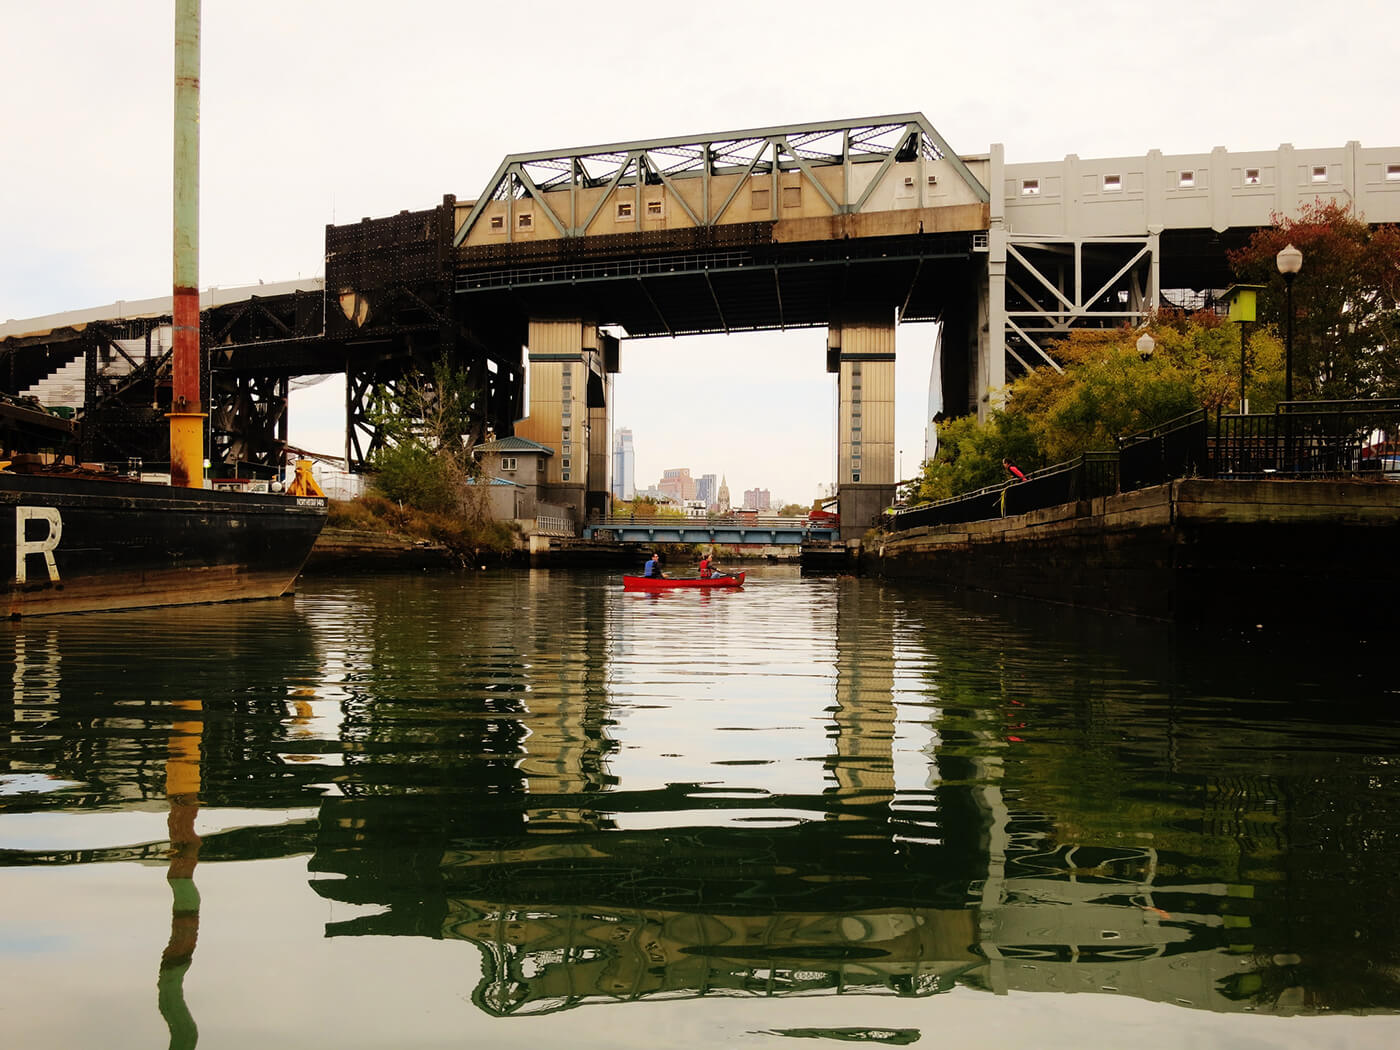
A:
(1290, 261)
(1145, 343)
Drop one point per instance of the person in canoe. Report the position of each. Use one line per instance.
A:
(705, 571)
(653, 568)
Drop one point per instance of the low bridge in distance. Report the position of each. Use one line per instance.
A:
(774, 532)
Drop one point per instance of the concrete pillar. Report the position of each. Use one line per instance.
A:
(861, 349)
(990, 374)
(1288, 178)
(991, 370)
(599, 494)
(564, 361)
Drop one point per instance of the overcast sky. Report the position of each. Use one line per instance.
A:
(316, 112)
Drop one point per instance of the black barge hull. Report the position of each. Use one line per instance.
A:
(79, 545)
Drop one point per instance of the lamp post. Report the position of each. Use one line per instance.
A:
(1145, 343)
(1290, 261)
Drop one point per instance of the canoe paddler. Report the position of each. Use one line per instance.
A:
(705, 571)
(653, 568)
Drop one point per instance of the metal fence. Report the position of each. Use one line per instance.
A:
(1310, 439)
(1178, 448)
(1085, 477)
(1304, 439)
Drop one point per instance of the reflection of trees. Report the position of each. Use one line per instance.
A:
(1219, 767)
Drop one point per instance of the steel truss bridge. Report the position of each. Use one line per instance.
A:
(836, 224)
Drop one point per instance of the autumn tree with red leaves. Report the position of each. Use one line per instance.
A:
(1346, 299)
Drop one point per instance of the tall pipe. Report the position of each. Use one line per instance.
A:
(186, 417)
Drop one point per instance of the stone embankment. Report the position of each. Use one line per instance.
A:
(358, 550)
(1190, 551)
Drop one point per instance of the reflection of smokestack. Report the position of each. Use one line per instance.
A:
(182, 783)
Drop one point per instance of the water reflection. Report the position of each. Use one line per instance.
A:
(809, 786)
(182, 791)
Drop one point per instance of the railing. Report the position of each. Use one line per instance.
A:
(718, 521)
(1085, 477)
(1178, 448)
(1303, 439)
(1306, 439)
(549, 526)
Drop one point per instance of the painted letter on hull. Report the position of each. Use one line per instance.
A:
(24, 546)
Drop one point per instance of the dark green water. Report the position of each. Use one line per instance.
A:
(533, 810)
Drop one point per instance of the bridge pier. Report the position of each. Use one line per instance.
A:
(860, 350)
(571, 365)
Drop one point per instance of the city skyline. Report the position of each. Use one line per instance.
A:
(777, 428)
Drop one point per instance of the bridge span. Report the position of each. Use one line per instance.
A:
(854, 226)
(774, 532)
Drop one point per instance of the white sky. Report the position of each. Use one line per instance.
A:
(316, 112)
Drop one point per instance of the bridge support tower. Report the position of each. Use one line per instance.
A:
(571, 367)
(860, 350)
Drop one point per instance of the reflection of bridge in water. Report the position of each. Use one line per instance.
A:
(578, 891)
(479, 800)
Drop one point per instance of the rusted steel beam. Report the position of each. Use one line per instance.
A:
(186, 417)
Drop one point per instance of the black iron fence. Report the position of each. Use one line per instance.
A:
(1178, 448)
(1303, 439)
(1310, 439)
(1085, 477)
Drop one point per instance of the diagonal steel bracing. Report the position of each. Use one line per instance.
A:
(757, 151)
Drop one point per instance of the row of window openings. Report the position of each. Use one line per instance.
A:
(508, 463)
(1187, 179)
(625, 210)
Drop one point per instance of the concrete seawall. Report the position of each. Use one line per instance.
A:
(1191, 551)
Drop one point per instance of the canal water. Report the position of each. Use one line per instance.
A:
(529, 809)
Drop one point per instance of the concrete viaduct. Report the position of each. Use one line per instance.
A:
(853, 226)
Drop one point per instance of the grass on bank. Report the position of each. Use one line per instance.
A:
(375, 513)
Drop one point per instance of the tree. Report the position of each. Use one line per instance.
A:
(426, 460)
(970, 454)
(1346, 320)
(1107, 389)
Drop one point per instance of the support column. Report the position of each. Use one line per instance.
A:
(860, 349)
(991, 298)
(599, 494)
(564, 359)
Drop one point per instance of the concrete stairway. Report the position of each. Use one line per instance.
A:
(65, 387)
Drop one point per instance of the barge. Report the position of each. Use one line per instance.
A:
(81, 544)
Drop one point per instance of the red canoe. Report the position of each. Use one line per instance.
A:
(665, 583)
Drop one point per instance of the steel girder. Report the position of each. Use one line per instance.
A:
(1056, 284)
(757, 151)
(247, 425)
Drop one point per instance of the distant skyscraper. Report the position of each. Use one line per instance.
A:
(706, 488)
(678, 484)
(723, 496)
(757, 499)
(624, 479)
